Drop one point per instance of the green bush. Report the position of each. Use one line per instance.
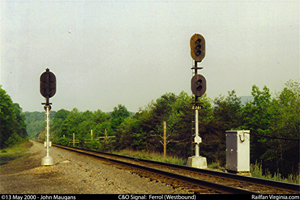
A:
(13, 139)
(63, 141)
(93, 145)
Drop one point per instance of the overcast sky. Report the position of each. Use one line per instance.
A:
(106, 53)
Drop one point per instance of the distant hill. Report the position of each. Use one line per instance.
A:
(245, 99)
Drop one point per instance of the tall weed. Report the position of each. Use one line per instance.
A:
(257, 171)
(153, 156)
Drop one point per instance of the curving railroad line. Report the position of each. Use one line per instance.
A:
(198, 181)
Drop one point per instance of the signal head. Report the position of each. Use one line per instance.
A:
(197, 44)
(198, 85)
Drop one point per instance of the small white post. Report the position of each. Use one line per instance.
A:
(73, 139)
(165, 139)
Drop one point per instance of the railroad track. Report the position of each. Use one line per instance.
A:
(198, 181)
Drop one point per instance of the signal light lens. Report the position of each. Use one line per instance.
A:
(198, 48)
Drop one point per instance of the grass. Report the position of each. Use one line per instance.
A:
(14, 152)
(153, 156)
(215, 166)
(255, 169)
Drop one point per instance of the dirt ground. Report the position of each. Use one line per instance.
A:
(71, 174)
(25, 161)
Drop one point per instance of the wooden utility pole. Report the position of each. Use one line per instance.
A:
(165, 139)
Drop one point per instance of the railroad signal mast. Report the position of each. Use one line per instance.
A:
(198, 87)
(47, 90)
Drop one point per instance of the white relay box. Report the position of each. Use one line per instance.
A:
(238, 150)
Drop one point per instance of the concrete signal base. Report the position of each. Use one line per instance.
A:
(198, 162)
(47, 161)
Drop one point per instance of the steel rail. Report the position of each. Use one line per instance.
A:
(207, 184)
(265, 182)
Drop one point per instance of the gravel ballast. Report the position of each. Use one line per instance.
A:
(72, 174)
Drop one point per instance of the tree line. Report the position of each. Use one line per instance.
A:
(36, 122)
(12, 121)
(273, 122)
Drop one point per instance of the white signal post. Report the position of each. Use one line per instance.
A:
(47, 160)
(197, 139)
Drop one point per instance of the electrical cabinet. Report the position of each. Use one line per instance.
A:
(238, 150)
